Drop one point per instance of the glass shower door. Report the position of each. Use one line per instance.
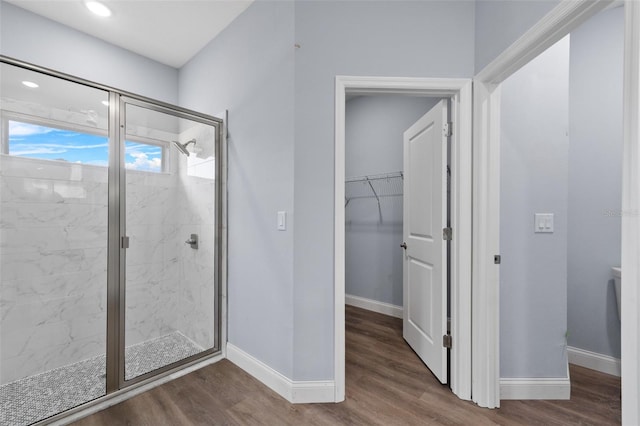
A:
(53, 244)
(170, 221)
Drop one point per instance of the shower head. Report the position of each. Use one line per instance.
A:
(183, 147)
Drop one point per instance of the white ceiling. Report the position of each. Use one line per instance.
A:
(168, 31)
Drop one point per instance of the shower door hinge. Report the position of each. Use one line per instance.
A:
(447, 129)
(124, 242)
(447, 234)
(447, 341)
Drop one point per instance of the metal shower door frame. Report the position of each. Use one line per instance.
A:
(115, 383)
(116, 275)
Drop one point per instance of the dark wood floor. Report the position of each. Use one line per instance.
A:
(386, 385)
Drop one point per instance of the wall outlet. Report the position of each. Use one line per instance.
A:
(543, 223)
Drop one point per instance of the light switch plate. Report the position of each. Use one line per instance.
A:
(543, 223)
(282, 221)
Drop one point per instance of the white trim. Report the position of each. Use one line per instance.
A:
(630, 323)
(594, 361)
(559, 22)
(553, 388)
(318, 391)
(296, 392)
(460, 92)
(486, 181)
(373, 305)
(486, 243)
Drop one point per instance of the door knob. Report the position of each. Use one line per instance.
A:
(403, 245)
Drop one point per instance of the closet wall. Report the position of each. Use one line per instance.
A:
(374, 129)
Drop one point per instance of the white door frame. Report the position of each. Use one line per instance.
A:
(486, 202)
(460, 92)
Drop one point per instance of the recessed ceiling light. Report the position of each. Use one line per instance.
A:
(98, 8)
(105, 103)
(30, 84)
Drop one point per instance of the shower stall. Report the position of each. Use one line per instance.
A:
(110, 211)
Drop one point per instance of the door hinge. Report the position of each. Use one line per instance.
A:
(447, 129)
(497, 259)
(446, 341)
(124, 242)
(447, 234)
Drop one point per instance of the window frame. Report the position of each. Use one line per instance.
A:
(7, 116)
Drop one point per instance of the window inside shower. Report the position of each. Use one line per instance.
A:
(108, 242)
(36, 139)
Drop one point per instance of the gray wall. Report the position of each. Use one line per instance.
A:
(32, 38)
(595, 181)
(248, 69)
(534, 179)
(374, 145)
(498, 23)
(421, 39)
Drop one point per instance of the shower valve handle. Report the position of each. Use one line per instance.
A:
(193, 241)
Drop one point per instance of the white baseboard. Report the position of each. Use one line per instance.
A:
(547, 388)
(373, 305)
(296, 392)
(594, 361)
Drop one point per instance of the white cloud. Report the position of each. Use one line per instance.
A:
(25, 129)
(143, 162)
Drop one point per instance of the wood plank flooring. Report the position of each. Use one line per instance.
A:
(386, 385)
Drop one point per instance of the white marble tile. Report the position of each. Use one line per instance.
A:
(140, 178)
(21, 341)
(198, 324)
(150, 205)
(55, 285)
(25, 317)
(46, 169)
(199, 202)
(75, 351)
(141, 273)
(150, 310)
(45, 215)
(43, 358)
(27, 266)
(28, 190)
(41, 289)
(27, 239)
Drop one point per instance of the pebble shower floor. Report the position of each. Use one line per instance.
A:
(37, 397)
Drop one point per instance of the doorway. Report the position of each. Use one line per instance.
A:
(395, 253)
(559, 237)
(459, 91)
(556, 24)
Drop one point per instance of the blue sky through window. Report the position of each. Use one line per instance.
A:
(35, 141)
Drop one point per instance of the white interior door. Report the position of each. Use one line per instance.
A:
(425, 261)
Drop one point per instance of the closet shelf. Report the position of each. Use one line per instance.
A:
(374, 186)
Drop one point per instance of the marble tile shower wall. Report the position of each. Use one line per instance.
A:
(53, 264)
(197, 298)
(153, 258)
(196, 282)
(53, 254)
(53, 261)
